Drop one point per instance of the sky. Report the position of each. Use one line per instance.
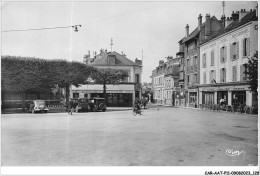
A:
(150, 26)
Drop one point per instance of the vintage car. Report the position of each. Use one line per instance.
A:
(97, 104)
(38, 106)
(82, 105)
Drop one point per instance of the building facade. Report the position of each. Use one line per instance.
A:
(122, 94)
(191, 51)
(165, 81)
(224, 59)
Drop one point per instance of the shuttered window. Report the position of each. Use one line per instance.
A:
(234, 51)
(243, 74)
(222, 75)
(234, 73)
(204, 61)
(212, 58)
(246, 47)
(223, 54)
(204, 77)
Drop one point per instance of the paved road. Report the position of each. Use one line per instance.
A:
(167, 137)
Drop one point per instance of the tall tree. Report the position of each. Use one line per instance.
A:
(252, 72)
(26, 74)
(108, 76)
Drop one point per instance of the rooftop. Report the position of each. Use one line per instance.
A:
(251, 16)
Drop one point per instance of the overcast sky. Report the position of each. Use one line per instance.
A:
(154, 27)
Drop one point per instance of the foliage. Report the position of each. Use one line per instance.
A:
(252, 72)
(26, 74)
(108, 76)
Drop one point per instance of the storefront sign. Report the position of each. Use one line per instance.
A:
(192, 90)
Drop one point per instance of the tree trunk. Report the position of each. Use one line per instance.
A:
(105, 92)
(67, 89)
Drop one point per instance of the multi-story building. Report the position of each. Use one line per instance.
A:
(165, 80)
(224, 61)
(190, 45)
(122, 94)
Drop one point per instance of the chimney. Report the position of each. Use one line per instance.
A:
(199, 22)
(242, 14)
(223, 20)
(137, 61)
(228, 21)
(161, 62)
(235, 16)
(187, 30)
(207, 25)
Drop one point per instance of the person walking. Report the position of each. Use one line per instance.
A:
(70, 107)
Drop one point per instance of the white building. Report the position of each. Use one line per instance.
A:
(223, 61)
(164, 81)
(122, 94)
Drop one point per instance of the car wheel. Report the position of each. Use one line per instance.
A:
(45, 111)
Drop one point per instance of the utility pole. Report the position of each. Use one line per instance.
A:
(223, 4)
(111, 44)
(142, 56)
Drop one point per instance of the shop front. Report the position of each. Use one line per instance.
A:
(193, 98)
(117, 95)
(179, 98)
(222, 95)
(208, 98)
(232, 93)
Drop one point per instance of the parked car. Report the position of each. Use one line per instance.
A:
(97, 104)
(82, 105)
(38, 106)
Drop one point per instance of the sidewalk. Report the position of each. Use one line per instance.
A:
(58, 110)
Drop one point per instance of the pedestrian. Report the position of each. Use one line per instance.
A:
(70, 107)
(137, 103)
(144, 102)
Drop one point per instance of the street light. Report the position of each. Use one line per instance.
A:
(76, 27)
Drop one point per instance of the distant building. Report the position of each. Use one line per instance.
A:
(224, 57)
(165, 80)
(122, 94)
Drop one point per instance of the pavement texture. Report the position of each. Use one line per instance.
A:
(160, 137)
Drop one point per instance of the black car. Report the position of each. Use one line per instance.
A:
(97, 104)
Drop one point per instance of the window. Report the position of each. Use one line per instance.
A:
(212, 58)
(246, 48)
(195, 78)
(85, 95)
(204, 77)
(222, 75)
(137, 78)
(195, 62)
(243, 74)
(188, 78)
(238, 98)
(188, 64)
(223, 54)
(75, 95)
(234, 70)
(212, 76)
(234, 51)
(204, 61)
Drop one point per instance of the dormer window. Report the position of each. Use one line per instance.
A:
(112, 60)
